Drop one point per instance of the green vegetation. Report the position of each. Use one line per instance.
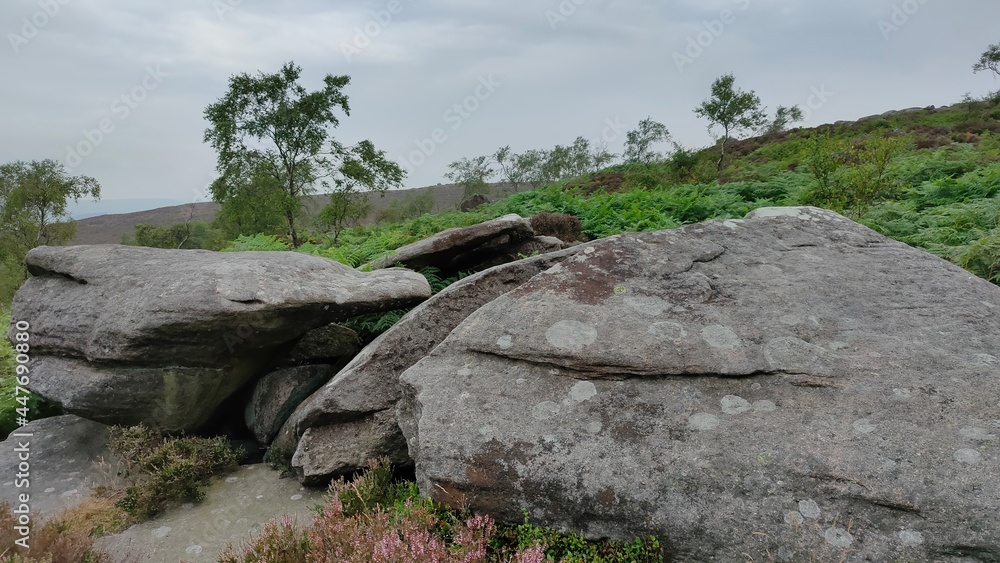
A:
(14, 404)
(188, 235)
(640, 141)
(167, 468)
(990, 60)
(274, 145)
(33, 200)
(377, 519)
(155, 470)
(731, 109)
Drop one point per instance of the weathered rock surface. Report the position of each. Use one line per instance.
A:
(235, 508)
(368, 386)
(278, 393)
(563, 226)
(324, 344)
(473, 201)
(461, 248)
(126, 334)
(62, 463)
(792, 386)
(346, 447)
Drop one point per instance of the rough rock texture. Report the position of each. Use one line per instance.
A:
(473, 201)
(235, 508)
(461, 248)
(62, 454)
(346, 447)
(567, 228)
(323, 344)
(277, 394)
(790, 386)
(369, 383)
(125, 334)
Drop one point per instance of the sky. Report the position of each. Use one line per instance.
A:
(117, 89)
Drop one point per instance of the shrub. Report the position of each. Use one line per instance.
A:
(37, 407)
(66, 537)
(259, 242)
(375, 519)
(166, 469)
(563, 226)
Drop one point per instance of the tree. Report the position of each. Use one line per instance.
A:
(867, 180)
(600, 156)
(33, 200)
(362, 170)
(783, 117)
(731, 109)
(640, 141)
(342, 211)
(852, 176)
(251, 200)
(473, 174)
(270, 125)
(990, 60)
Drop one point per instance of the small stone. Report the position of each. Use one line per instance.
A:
(731, 404)
(911, 538)
(968, 456)
(838, 537)
(809, 508)
(703, 421)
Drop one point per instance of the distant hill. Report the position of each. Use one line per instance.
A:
(111, 229)
(87, 208)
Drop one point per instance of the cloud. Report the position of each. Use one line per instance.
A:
(566, 68)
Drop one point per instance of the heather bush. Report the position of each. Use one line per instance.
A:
(68, 536)
(165, 469)
(376, 519)
(563, 226)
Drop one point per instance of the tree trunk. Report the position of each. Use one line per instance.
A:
(722, 155)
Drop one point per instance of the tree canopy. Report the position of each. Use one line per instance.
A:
(732, 109)
(990, 60)
(275, 146)
(33, 212)
(640, 141)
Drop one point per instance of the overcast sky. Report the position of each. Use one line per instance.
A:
(524, 73)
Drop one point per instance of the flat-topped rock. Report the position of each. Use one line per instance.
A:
(128, 335)
(460, 248)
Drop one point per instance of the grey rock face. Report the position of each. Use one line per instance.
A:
(327, 451)
(127, 334)
(62, 455)
(369, 383)
(460, 249)
(323, 344)
(277, 394)
(791, 384)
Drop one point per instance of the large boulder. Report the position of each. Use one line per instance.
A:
(461, 248)
(124, 335)
(791, 386)
(56, 462)
(361, 399)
